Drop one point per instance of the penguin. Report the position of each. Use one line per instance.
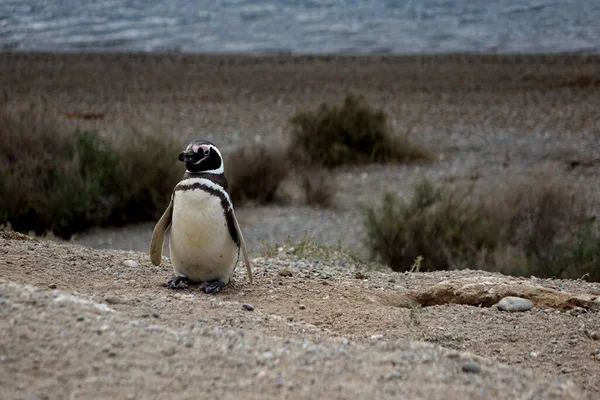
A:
(204, 235)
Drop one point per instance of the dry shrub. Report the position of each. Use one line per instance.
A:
(255, 173)
(354, 133)
(319, 188)
(64, 183)
(532, 228)
(549, 230)
(441, 226)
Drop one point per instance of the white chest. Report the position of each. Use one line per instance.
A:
(200, 243)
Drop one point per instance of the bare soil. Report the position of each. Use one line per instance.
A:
(81, 323)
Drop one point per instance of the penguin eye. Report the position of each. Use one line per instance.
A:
(206, 151)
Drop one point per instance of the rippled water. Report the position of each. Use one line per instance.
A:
(302, 26)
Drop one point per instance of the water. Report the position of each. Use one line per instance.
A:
(302, 26)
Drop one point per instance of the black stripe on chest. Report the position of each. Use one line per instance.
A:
(225, 204)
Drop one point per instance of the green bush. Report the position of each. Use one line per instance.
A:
(351, 134)
(444, 228)
(52, 181)
(530, 229)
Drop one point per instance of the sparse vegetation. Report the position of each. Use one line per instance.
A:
(51, 181)
(531, 229)
(256, 172)
(307, 249)
(319, 187)
(354, 133)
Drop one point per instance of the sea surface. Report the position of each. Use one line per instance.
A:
(302, 26)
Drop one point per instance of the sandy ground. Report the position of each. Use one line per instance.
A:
(83, 323)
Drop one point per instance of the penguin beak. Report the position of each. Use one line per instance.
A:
(187, 156)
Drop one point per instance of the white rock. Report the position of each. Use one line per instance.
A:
(130, 264)
(513, 304)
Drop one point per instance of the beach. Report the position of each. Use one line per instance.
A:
(488, 118)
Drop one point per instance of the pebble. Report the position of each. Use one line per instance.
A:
(290, 319)
(593, 335)
(513, 304)
(130, 264)
(359, 275)
(156, 314)
(248, 307)
(377, 336)
(52, 286)
(534, 354)
(471, 367)
(302, 307)
(285, 272)
(577, 311)
(113, 299)
(597, 357)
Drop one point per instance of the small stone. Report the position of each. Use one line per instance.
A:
(512, 304)
(377, 336)
(594, 335)
(285, 272)
(79, 318)
(52, 286)
(471, 367)
(302, 307)
(130, 264)
(189, 344)
(156, 314)
(534, 354)
(597, 357)
(290, 319)
(577, 311)
(248, 307)
(359, 275)
(112, 299)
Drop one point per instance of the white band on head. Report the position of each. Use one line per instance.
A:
(219, 170)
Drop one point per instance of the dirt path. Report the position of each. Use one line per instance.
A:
(81, 323)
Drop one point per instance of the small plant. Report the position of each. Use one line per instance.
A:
(318, 187)
(352, 134)
(256, 172)
(307, 249)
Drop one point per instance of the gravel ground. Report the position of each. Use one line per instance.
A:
(87, 323)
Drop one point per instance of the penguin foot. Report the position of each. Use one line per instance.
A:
(214, 287)
(178, 282)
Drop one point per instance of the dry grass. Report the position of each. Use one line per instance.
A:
(354, 133)
(532, 228)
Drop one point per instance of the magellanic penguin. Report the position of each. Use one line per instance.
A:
(205, 238)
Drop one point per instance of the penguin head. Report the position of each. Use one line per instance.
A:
(202, 156)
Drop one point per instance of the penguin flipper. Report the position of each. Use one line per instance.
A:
(158, 235)
(243, 246)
